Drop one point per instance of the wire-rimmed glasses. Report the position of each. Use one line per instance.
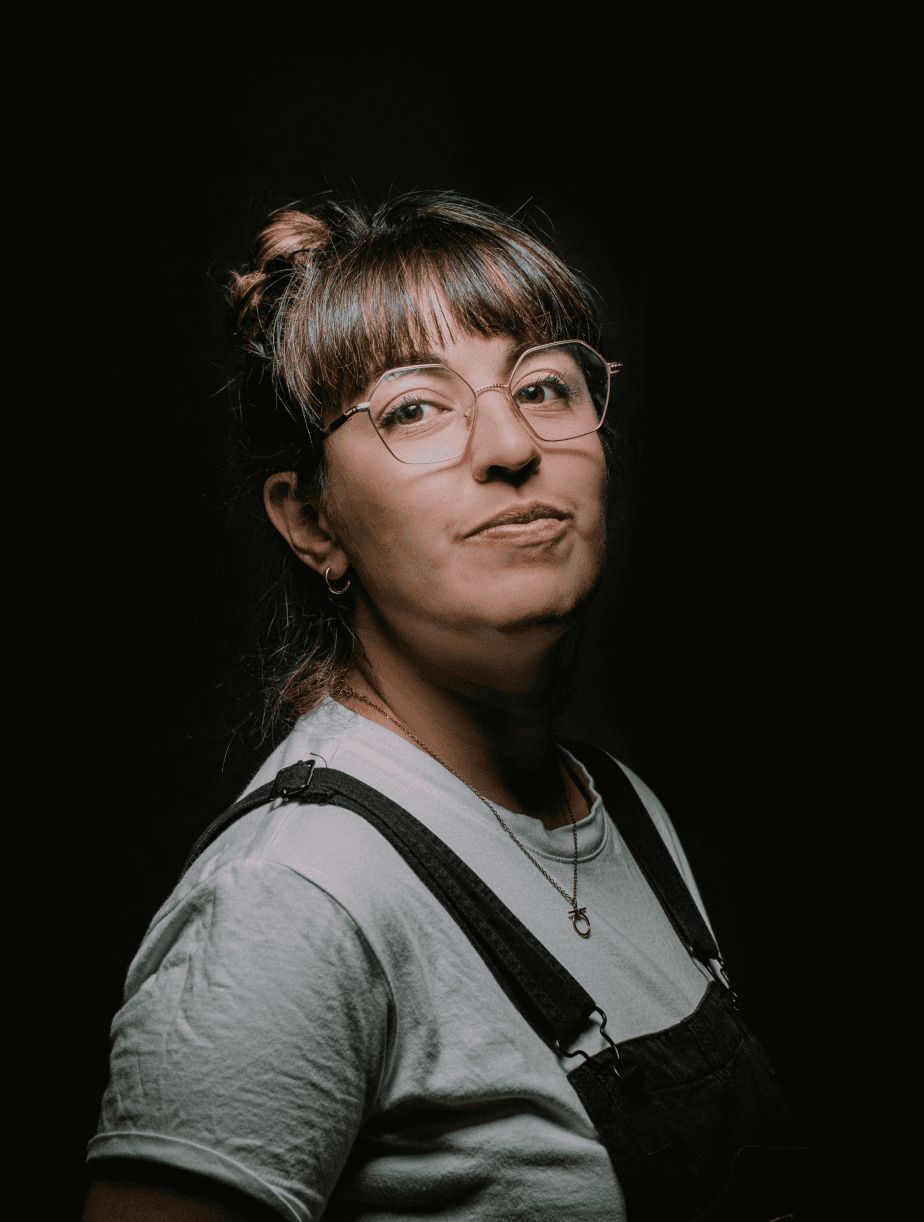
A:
(425, 413)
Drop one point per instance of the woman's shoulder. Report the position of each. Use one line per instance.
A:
(652, 804)
(668, 833)
(289, 872)
(661, 820)
(279, 864)
(280, 832)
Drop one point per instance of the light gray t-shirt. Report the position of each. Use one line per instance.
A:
(305, 1021)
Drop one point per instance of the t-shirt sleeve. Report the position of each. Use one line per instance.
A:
(253, 1039)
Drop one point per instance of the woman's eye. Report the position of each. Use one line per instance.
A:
(548, 391)
(408, 413)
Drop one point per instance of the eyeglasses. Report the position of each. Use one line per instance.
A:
(426, 413)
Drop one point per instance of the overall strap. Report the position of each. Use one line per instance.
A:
(551, 1000)
(289, 783)
(674, 1151)
(635, 826)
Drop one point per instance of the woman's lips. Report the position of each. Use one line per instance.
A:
(540, 530)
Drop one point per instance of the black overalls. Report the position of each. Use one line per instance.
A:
(692, 1117)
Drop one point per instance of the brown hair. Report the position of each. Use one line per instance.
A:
(329, 299)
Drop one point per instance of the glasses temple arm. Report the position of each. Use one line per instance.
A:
(335, 424)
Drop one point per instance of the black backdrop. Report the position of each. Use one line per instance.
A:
(715, 182)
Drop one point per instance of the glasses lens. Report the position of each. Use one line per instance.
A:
(423, 413)
(561, 390)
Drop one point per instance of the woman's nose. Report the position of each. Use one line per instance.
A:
(500, 438)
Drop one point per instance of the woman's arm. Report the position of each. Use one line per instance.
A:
(114, 1202)
(129, 1191)
(250, 1047)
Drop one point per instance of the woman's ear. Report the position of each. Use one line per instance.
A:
(305, 531)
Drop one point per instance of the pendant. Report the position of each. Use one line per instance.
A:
(579, 914)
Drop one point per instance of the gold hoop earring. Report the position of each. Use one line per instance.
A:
(342, 590)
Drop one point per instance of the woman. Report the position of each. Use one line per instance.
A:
(356, 1001)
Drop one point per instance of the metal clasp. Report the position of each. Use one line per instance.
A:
(723, 979)
(720, 976)
(285, 791)
(586, 1055)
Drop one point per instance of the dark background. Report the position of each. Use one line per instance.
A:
(729, 187)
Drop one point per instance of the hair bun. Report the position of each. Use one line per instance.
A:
(285, 243)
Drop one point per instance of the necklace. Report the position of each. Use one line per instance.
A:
(576, 914)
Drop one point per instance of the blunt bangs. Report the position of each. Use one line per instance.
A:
(358, 312)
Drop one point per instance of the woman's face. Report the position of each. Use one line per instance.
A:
(437, 574)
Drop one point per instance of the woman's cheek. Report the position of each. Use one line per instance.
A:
(380, 539)
(356, 504)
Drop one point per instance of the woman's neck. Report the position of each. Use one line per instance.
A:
(491, 724)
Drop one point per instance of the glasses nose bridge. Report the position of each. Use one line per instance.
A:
(506, 390)
(493, 386)
(503, 387)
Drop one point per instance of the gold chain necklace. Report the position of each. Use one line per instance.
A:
(576, 914)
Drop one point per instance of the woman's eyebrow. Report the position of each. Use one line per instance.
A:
(407, 360)
(516, 349)
(414, 357)
(417, 357)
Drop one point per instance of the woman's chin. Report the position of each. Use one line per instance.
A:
(525, 606)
